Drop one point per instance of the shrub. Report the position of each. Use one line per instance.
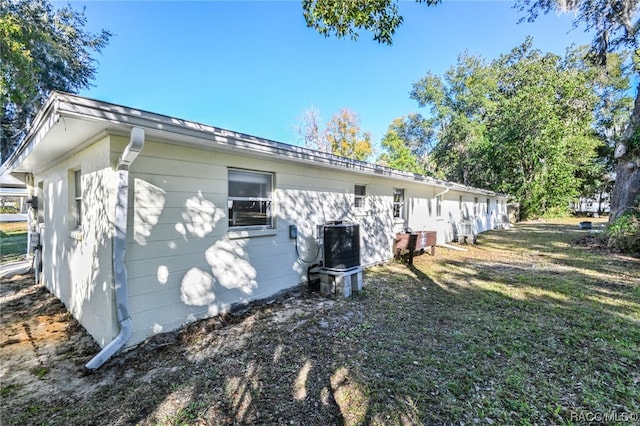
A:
(556, 213)
(624, 233)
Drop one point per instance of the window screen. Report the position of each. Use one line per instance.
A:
(398, 203)
(250, 198)
(360, 192)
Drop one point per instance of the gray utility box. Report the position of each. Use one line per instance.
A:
(341, 283)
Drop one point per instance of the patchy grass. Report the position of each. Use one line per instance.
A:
(13, 241)
(523, 328)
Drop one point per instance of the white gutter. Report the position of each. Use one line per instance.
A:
(136, 142)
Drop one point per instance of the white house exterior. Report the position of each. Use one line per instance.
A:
(207, 213)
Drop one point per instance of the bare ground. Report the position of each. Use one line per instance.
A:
(43, 351)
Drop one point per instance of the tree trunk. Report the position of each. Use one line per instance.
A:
(627, 186)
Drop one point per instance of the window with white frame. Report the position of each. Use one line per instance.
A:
(488, 206)
(250, 199)
(439, 205)
(398, 203)
(475, 206)
(41, 203)
(76, 177)
(359, 196)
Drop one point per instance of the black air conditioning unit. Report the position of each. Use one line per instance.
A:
(341, 243)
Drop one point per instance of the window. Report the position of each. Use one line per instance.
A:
(460, 203)
(475, 206)
(40, 202)
(488, 206)
(398, 203)
(439, 205)
(359, 194)
(77, 197)
(250, 199)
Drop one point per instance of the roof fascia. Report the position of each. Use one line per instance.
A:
(42, 122)
(196, 134)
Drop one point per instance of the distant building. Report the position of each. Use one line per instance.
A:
(590, 206)
(13, 195)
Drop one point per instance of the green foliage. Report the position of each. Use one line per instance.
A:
(416, 132)
(457, 103)
(614, 24)
(5, 391)
(344, 18)
(406, 145)
(624, 232)
(557, 213)
(521, 124)
(40, 372)
(41, 49)
(397, 155)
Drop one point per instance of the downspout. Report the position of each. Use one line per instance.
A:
(442, 193)
(136, 142)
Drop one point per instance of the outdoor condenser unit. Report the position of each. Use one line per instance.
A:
(341, 243)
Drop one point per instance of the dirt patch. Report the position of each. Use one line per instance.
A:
(592, 242)
(44, 350)
(41, 346)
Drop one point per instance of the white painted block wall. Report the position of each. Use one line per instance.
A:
(182, 260)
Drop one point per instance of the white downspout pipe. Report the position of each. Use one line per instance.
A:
(136, 142)
(442, 193)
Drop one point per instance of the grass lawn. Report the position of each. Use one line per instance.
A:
(522, 328)
(13, 241)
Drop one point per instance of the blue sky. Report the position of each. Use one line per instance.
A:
(254, 66)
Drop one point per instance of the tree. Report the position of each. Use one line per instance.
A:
(416, 132)
(41, 49)
(309, 132)
(543, 124)
(521, 124)
(346, 139)
(345, 17)
(407, 144)
(616, 24)
(611, 85)
(397, 154)
(458, 104)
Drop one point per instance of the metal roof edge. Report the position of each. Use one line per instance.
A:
(38, 121)
(71, 105)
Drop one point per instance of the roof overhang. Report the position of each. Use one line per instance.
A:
(67, 123)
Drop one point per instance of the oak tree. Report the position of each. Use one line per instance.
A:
(41, 49)
(615, 25)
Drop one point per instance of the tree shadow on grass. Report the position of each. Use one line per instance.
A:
(446, 340)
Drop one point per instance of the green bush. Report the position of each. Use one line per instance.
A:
(624, 233)
(556, 213)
